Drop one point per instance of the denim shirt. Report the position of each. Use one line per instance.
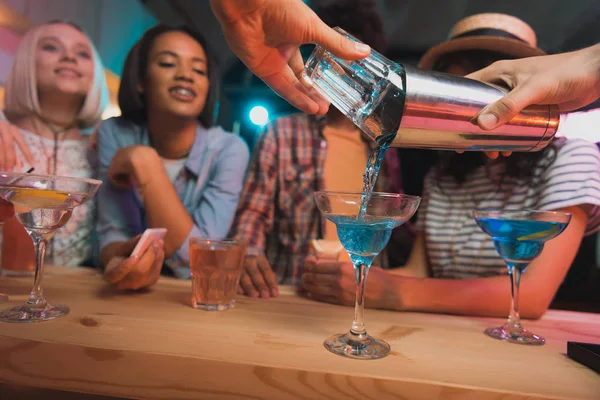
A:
(209, 186)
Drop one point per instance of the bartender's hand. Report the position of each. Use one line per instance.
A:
(266, 34)
(258, 279)
(126, 272)
(571, 80)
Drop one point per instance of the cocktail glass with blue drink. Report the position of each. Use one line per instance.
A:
(363, 235)
(519, 237)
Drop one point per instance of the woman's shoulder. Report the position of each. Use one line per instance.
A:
(574, 151)
(121, 130)
(120, 125)
(565, 145)
(220, 139)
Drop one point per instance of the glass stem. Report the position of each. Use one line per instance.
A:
(36, 297)
(514, 320)
(358, 326)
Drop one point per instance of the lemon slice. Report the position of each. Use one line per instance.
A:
(539, 235)
(28, 199)
(327, 248)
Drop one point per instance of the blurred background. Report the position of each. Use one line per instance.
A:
(412, 26)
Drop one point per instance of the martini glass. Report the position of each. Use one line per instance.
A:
(519, 237)
(363, 237)
(43, 204)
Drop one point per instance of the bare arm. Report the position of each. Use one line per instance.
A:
(161, 202)
(417, 264)
(163, 207)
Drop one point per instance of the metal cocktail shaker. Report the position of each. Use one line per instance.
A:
(426, 109)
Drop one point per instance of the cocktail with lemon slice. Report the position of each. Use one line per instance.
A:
(42, 204)
(519, 237)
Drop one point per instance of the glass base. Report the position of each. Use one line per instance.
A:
(362, 347)
(3, 298)
(515, 335)
(214, 307)
(33, 313)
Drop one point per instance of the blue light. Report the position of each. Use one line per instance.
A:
(259, 115)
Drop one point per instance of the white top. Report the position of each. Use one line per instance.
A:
(457, 248)
(173, 167)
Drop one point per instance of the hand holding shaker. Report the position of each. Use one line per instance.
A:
(425, 109)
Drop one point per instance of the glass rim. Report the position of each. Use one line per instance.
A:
(49, 177)
(226, 242)
(373, 194)
(519, 213)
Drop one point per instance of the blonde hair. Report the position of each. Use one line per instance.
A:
(21, 96)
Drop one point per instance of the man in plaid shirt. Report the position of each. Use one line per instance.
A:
(277, 214)
(296, 156)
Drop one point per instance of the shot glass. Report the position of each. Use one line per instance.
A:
(216, 267)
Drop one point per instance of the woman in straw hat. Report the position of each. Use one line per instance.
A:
(454, 267)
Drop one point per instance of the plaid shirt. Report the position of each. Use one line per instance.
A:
(277, 214)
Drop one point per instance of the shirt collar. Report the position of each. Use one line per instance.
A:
(193, 161)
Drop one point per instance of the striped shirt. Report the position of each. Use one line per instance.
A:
(277, 214)
(458, 249)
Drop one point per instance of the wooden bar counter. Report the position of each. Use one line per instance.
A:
(153, 345)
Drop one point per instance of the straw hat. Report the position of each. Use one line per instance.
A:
(501, 33)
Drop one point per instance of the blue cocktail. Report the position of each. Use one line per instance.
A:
(519, 237)
(363, 237)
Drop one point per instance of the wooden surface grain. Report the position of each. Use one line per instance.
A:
(153, 345)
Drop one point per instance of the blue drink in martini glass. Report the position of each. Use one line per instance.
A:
(519, 237)
(364, 232)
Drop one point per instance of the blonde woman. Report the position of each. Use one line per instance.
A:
(54, 96)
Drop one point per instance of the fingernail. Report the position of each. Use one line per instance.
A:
(361, 47)
(487, 120)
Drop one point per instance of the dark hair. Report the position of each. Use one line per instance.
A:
(458, 166)
(359, 18)
(132, 102)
